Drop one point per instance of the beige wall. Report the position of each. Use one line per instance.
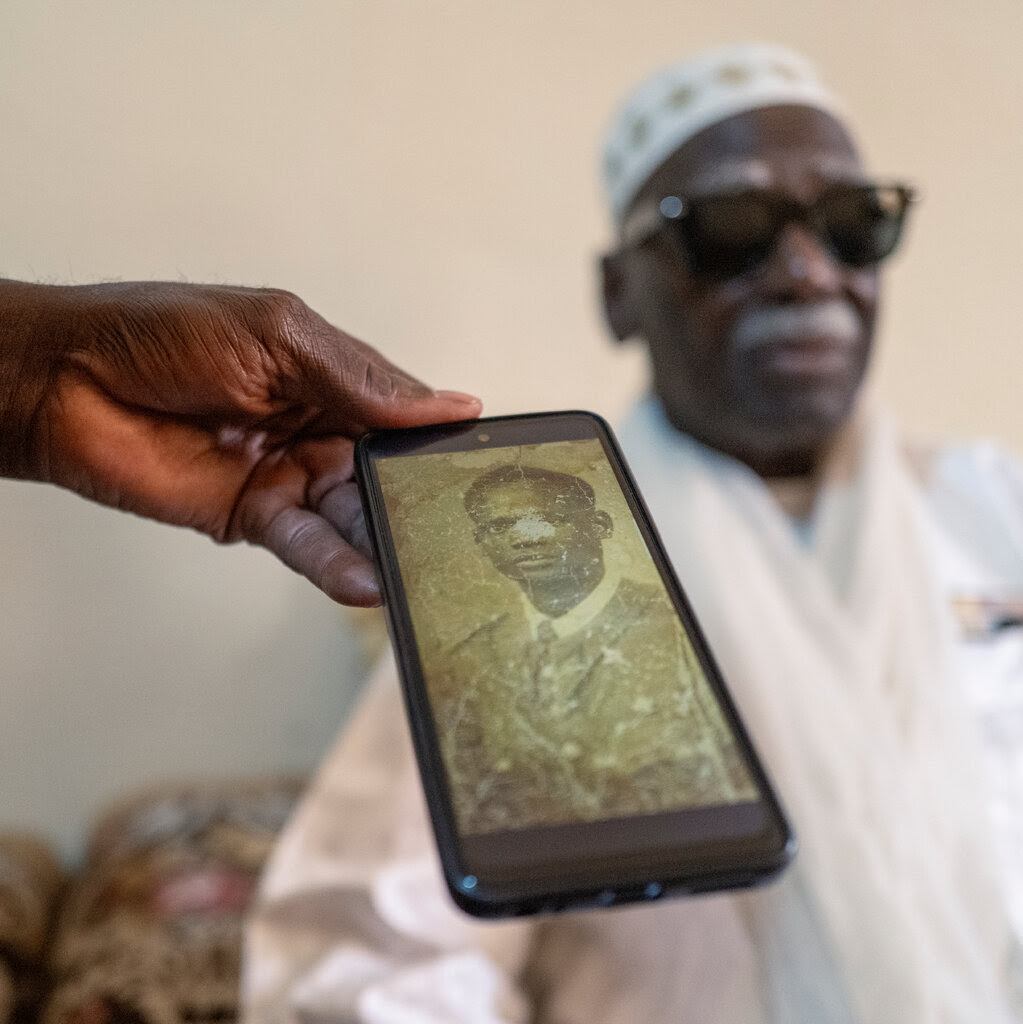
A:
(423, 174)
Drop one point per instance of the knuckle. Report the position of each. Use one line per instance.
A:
(275, 313)
(296, 536)
(284, 306)
(307, 546)
(280, 324)
(286, 315)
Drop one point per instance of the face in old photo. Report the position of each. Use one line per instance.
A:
(542, 530)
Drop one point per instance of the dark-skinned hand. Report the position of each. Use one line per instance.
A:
(230, 410)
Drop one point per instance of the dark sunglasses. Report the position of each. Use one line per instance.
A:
(733, 233)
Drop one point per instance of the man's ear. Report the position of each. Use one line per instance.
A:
(619, 308)
(604, 523)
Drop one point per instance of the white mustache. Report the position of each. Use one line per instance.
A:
(831, 318)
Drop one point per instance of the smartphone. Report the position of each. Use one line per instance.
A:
(576, 743)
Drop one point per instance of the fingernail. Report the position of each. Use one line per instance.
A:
(458, 396)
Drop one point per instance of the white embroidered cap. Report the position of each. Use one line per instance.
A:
(673, 105)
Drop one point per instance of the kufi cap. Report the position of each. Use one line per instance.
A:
(671, 106)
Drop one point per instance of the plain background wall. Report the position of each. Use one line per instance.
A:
(422, 172)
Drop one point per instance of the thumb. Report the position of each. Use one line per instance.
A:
(361, 389)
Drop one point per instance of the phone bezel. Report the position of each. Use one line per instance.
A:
(590, 863)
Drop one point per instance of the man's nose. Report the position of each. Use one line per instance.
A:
(801, 264)
(526, 538)
(531, 535)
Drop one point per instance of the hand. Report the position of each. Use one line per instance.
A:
(230, 410)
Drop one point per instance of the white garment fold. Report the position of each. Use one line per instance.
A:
(354, 922)
(839, 656)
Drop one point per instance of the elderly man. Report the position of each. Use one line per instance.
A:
(862, 606)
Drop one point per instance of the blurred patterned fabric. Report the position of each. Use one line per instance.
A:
(30, 883)
(149, 931)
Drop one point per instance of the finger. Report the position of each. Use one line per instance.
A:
(310, 545)
(342, 508)
(358, 388)
(379, 395)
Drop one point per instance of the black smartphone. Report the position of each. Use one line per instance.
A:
(576, 742)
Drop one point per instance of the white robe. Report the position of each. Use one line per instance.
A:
(871, 716)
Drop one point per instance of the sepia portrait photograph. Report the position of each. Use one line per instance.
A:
(561, 681)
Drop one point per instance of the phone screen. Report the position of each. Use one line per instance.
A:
(567, 693)
(562, 684)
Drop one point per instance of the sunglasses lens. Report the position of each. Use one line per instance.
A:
(728, 235)
(862, 224)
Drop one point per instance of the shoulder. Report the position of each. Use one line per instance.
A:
(986, 474)
(488, 632)
(974, 492)
(643, 598)
(961, 464)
